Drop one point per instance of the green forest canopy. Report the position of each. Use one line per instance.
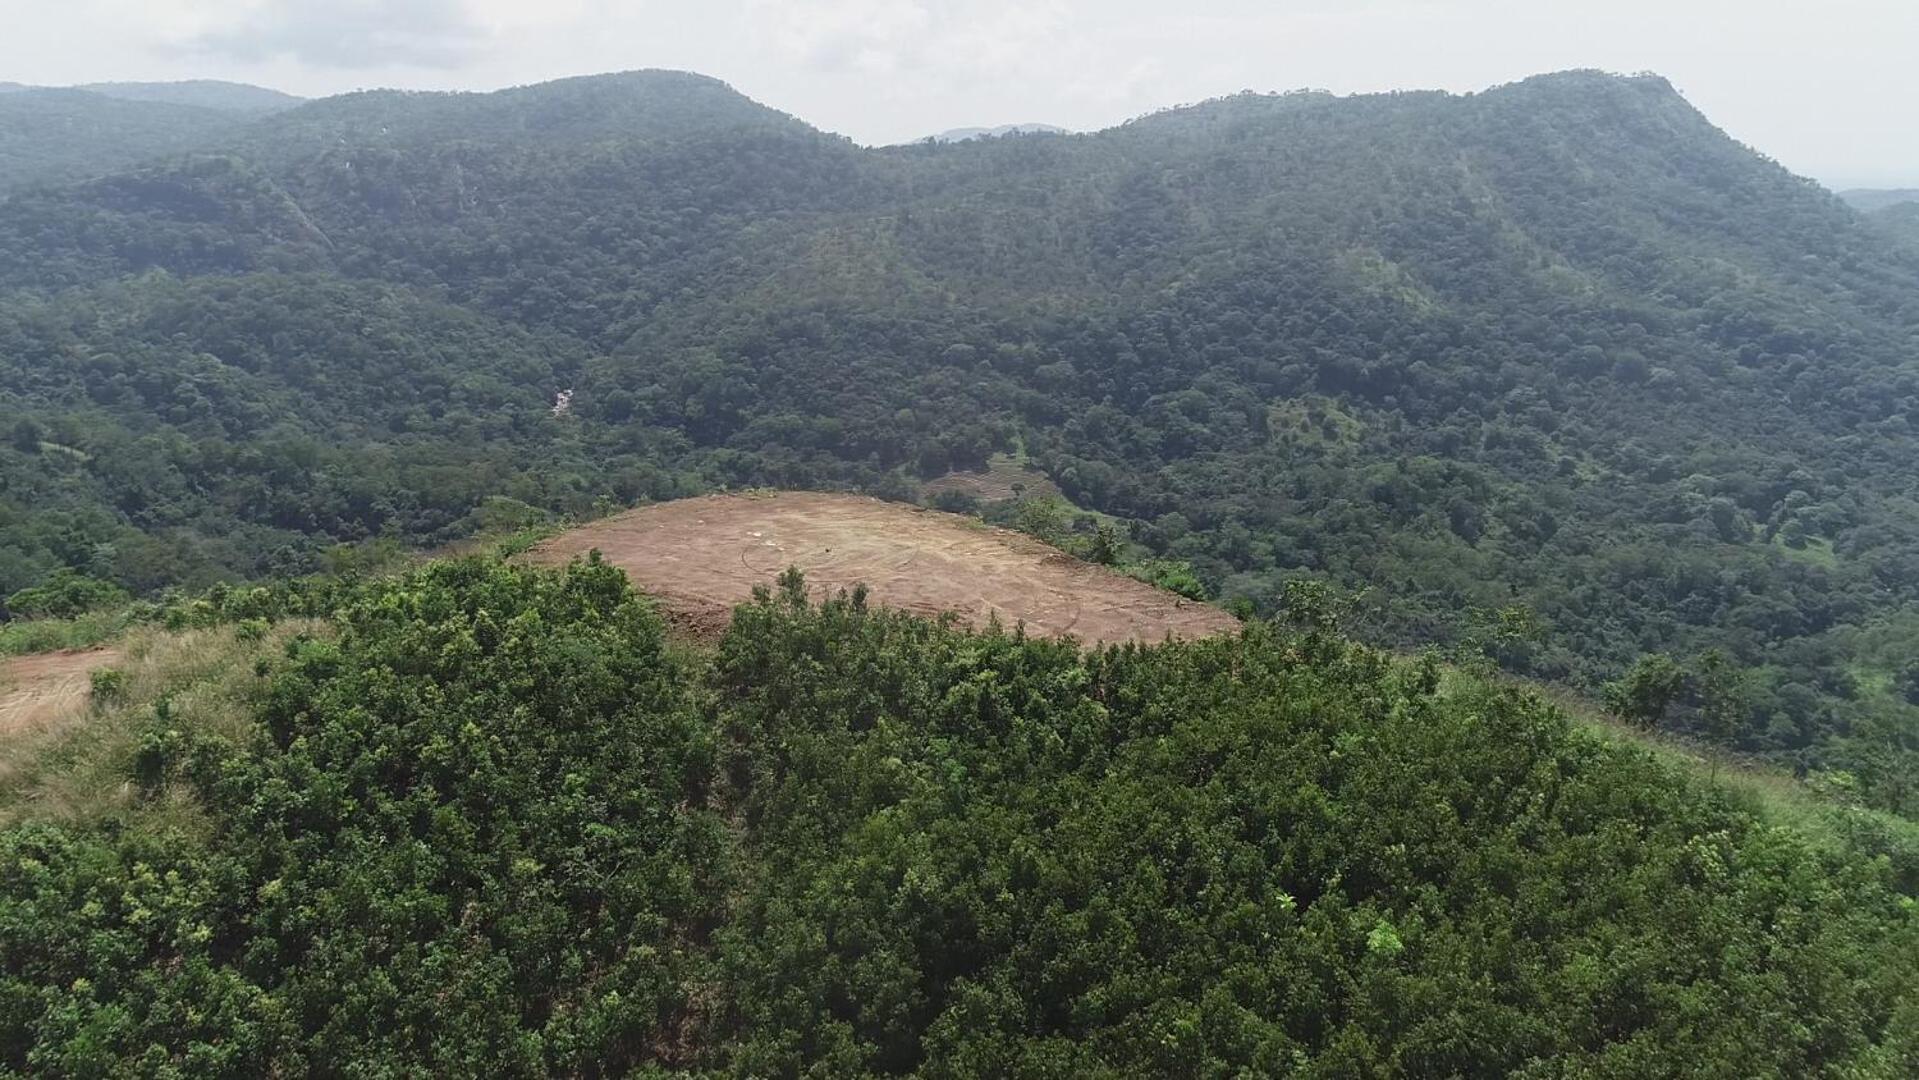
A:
(1561, 346)
(484, 820)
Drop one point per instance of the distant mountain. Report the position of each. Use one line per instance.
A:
(53, 136)
(970, 133)
(1900, 220)
(648, 105)
(205, 93)
(59, 134)
(1894, 210)
(1870, 199)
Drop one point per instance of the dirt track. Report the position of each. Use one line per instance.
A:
(701, 557)
(40, 689)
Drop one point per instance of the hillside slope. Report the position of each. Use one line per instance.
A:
(204, 93)
(56, 136)
(485, 819)
(1561, 345)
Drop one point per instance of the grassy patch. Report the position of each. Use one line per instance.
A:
(25, 636)
(76, 769)
(1006, 477)
(1816, 552)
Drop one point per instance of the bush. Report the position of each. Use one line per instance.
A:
(108, 687)
(64, 595)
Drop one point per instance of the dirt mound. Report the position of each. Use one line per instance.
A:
(37, 690)
(701, 557)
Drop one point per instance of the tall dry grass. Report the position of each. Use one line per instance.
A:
(76, 767)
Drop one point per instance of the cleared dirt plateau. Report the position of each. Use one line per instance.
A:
(702, 557)
(39, 689)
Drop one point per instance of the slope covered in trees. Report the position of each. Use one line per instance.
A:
(483, 820)
(205, 93)
(1561, 345)
(52, 136)
(1901, 220)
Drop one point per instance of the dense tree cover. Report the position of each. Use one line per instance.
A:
(468, 835)
(1901, 221)
(50, 136)
(1560, 345)
(489, 824)
(205, 93)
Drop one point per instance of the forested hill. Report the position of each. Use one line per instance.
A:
(1873, 199)
(52, 135)
(1561, 346)
(205, 93)
(56, 136)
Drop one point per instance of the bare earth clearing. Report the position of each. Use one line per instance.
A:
(702, 557)
(38, 690)
(1004, 478)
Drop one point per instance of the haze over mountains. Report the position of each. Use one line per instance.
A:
(966, 134)
(205, 93)
(49, 134)
(1872, 199)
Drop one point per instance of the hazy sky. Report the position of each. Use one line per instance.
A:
(1829, 87)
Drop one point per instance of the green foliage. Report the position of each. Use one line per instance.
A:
(65, 595)
(1173, 575)
(1642, 696)
(492, 826)
(1721, 692)
(468, 837)
(23, 636)
(1045, 518)
(1106, 546)
(990, 856)
(1908, 682)
(50, 135)
(107, 687)
(1561, 346)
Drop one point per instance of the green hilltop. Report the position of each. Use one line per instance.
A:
(1556, 382)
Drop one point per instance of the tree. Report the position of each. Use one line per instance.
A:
(1106, 546)
(27, 435)
(1720, 689)
(1642, 696)
(1908, 683)
(66, 594)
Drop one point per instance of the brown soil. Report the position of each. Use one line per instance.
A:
(37, 691)
(702, 557)
(997, 482)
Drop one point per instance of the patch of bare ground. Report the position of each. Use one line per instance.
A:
(40, 691)
(702, 557)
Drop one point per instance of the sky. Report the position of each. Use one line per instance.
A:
(1828, 87)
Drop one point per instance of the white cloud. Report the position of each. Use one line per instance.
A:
(350, 34)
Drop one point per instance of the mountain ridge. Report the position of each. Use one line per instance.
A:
(204, 93)
(1561, 344)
